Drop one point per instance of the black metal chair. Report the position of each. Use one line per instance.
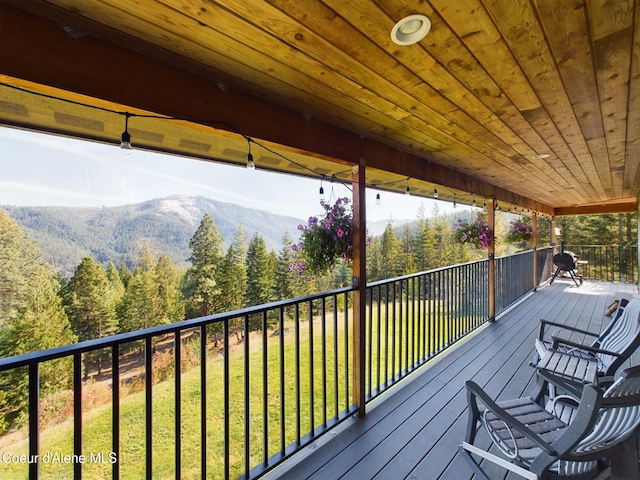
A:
(564, 438)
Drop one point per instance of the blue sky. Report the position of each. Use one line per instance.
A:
(39, 170)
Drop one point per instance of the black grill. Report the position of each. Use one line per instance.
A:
(567, 262)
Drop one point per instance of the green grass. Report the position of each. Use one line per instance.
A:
(97, 422)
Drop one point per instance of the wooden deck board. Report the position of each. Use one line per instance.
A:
(414, 429)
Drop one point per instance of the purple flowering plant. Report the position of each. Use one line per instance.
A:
(519, 232)
(325, 240)
(475, 233)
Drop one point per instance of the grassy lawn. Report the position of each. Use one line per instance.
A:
(298, 357)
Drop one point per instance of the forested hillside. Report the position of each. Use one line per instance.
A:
(116, 234)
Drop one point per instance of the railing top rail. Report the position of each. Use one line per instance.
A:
(627, 245)
(127, 337)
(418, 274)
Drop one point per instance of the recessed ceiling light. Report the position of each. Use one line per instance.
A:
(411, 29)
(541, 156)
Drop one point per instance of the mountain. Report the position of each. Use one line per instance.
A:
(116, 234)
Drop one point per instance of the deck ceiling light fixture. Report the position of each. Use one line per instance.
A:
(410, 29)
(541, 156)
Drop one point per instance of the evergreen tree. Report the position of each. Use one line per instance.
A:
(88, 303)
(374, 260)
(233, 278)
(125, 275)
(391, 251)
(33, 319)
(285, 285)
(141, 304)
(201, 287)
(260, 273)
(408, 259)
(168, 284)
(423, 242)
(116, 287)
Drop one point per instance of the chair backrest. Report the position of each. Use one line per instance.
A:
(617, 420)
(623, 337)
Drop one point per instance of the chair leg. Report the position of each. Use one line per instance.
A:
(472, 463)
(466, 450)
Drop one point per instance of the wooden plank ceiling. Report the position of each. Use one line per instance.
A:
(533, 102)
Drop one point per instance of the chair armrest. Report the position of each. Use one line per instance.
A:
(544, 322)
(474, 392)
(580, 346)
(559, 382)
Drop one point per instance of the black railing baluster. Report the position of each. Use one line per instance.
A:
(283, 399)
(148, 364)
(297, 359)
(34, 419)
(336, 358)
(265, 391)
(226, 378)
(77, 414)
(369, 346)
(323, 328)
(204, 348)
(386, 335)
(347, 341)
(115, 410)
(177, 401)
(247, 395)
(312, 404)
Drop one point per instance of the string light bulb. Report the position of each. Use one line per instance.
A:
(407, 191)
(378, 198)
(455, 205)
(435, 193)
(321, 192)
(250, 163)
(125, 138)
(474, 204)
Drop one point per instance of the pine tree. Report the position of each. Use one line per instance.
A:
(87, 300)
(260, 272)
(141, 304)
(391, 250)
(33, 319)
(125, 275)
(233, 278)
(201, 287)
(374, 260)
(285, 285)
(168, 283)
(116, 287)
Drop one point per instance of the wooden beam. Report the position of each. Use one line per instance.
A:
(491, 215)
(359, 279)
(624, 207)
(94, 68)
(534, 245)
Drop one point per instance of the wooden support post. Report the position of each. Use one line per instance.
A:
(491, 214)
(554, 237)
(534, 246)
(360, 281)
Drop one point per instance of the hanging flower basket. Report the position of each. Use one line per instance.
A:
(324, 241)
(519, 232)
(475, 233)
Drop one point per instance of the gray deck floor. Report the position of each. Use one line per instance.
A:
(413, 431)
